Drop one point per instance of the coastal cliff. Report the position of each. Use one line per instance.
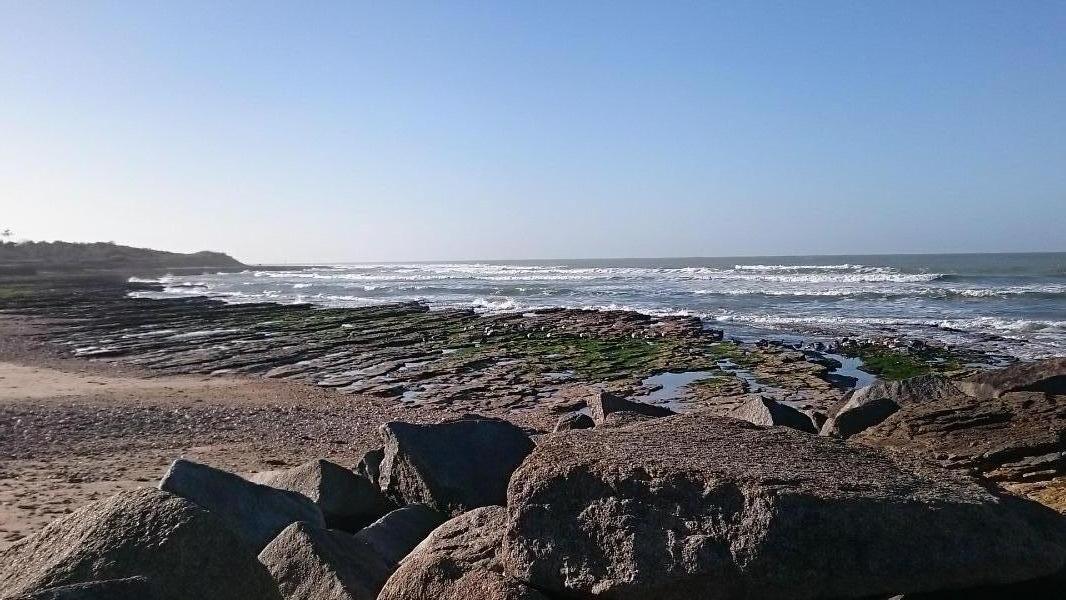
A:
(29, 258)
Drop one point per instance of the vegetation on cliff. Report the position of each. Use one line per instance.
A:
(67, 256)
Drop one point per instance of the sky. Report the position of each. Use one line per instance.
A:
(359, 131)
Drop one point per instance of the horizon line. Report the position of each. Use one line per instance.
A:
(621, 258)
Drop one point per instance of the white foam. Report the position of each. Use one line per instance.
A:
(846, 298)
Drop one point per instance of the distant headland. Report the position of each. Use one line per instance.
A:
(31, 258)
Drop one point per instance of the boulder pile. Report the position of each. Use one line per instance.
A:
(628, 502)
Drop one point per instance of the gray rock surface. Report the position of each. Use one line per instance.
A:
(370, 464)
(256, 512)
(770, 413)
(186, 552)
(395, 534)
(452, 467)
(349, 501)
(624, 418)
(324, 564)
(129, 588)
(459, 561)
(699, 506)
(868, 406)
(1047, 376)
(605, 403)
(574, 420)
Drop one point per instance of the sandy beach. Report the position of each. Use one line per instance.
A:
(72, 436)
(73, 431)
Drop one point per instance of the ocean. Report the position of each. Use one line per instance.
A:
(1006, 303)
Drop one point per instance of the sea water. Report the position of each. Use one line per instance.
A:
(1012, 303)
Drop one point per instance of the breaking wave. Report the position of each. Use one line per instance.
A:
(956, 299)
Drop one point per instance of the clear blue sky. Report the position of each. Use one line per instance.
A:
(451, 130)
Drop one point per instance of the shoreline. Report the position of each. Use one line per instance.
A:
(256, 387)
(999, 307)
(74, 430)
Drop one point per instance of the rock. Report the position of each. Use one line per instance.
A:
(323, 564)
(699, 506)
(256, 512)
(868, 406)
(768, 412)
(129, 588)
(348, 501)
(605, 403)
(624, 418)
(1047, 376)
(453, 467)
(1018, 438)
(574, 420)
(459, 561)
(817, 417)
(370, 464)
(184, 551)
(1045, 588)
(395, 534)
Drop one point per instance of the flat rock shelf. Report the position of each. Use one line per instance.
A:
(461, 359)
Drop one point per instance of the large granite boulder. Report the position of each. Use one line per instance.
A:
(459, 561)
(310, 562)
(184, 551)
(868, 406)
(128, 588)
(349, 501)
(325, 564)
(452, 467)
(256, 512)
(769, 413)
(604, 403)
(1047, 376)
(700, 506)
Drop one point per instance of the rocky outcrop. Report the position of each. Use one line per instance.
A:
(574, 420)
(323, 564)
(348, 501)
(698, 506)
(184, 551)
(256, 512)
(129, 588)
(416, 357)
(453, 467)
(1046, 376)
(870, 405)
(605, 403)
(770, 413)
(459, 561)
(1017, 438)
